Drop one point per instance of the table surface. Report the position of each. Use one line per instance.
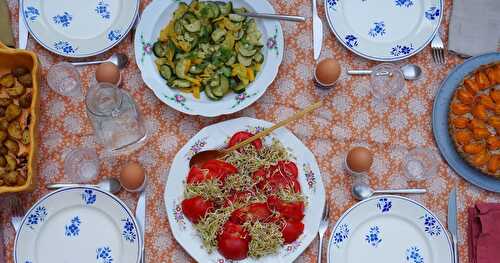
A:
(350, 117)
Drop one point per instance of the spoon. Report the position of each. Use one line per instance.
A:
(119, 59)
(410, 72)
(204, 156)
(362, 191)
(111, 185)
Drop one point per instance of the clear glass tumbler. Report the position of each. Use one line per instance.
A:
(64, 79)
(419, 164)
(116, 120)
(81, 165)
(386, 80)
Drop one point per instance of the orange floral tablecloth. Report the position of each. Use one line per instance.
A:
(350, 116)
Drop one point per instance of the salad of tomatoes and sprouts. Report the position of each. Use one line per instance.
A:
(248, 204)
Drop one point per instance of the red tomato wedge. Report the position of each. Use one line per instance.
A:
(196, 175)
(243, 135)
(288, 169)
(219, 169)
(196, 208)
(233, 242)
(287, 210)
(292, 230)
(252, 212)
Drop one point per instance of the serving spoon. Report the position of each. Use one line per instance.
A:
(363, 191)
(119, 59)
(410, 72)
(111, 185)
(200, 158)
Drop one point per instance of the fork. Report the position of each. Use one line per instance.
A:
(437, 47)
(17, 212)
(323, 226)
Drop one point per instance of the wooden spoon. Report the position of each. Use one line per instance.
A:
(200, 158)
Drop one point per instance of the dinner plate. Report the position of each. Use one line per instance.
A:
(216, 136)
(157, 15)
(389, 229)
(384, 30)
(78, 225)
(440, 122)
(79, 28)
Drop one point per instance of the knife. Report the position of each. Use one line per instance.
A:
(140, 216)
(452, 222)
(23, 30)
(317, 31)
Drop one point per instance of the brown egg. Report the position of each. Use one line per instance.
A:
(107, 72)
(327, 71)
(359, 159)
(132, 176)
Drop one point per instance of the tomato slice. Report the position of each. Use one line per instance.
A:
(219, 169)
(243, 135)
(196, 176)
(233, 241)
(289, 169)
(286, 210)
(196, 208)
(292, 230)
(252, 212)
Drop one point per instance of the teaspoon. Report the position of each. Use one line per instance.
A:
(362, 191)
(410, 72)
(111, 185)
(119, 59)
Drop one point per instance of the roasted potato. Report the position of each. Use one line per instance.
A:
(18, 72)
(17, 90)
(11, 178)
(12, 146)
(15, 131)
(3, 150)
(13, 111)
(26, 80)
(4, 102)
(25, 100)
(3, 136)
(11, 162)
(26, 137)
(3, 162)
(7, 81)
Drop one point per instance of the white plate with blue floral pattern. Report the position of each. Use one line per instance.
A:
(157, 15)
(217, 135)
(384, 30)
(389, 229)
(78, 225)
(79, 28)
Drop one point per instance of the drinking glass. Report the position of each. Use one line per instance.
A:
(419, 164)
(116, 119)
(386, 80)
(64, 79)
(81, 165)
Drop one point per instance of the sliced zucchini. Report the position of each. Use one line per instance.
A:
(224, 84)
(210, 95)
(178, 28)
(218, 34)
(240, 88)
(231, 61)
(239, 35)
(214, 82)
(165, 72)
(244, 60)
(218, 91)
(225, 71)
(213, 9)
(247, 52)
(160, 49)
(180, 68)
(259, 58)
(197, 69)
(240, 10)
(193, 27)
(180, 83)
(226, 8)
(236, 18)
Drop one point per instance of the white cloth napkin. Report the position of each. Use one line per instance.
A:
(474, 27)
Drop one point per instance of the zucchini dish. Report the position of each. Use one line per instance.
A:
(209, 47)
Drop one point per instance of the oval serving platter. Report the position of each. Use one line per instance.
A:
(157, 15)
(389, 229)
(384, 30)
(309, 178)
(78, 225)
(440, 122)
(79, 28)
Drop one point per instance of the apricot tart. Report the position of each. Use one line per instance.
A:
(474, 119)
